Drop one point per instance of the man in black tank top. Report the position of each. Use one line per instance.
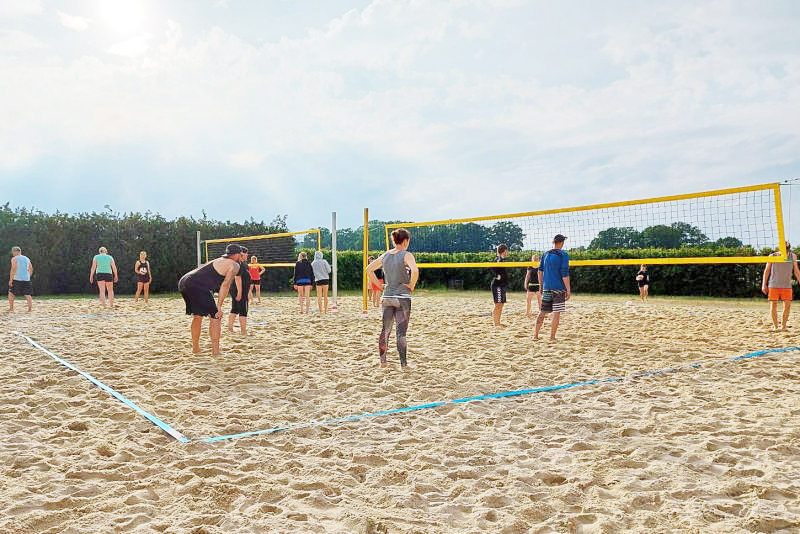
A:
(197, 288)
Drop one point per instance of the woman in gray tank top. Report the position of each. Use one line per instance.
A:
(400, 275)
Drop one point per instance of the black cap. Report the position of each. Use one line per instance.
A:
(559, 238)
(232, 249)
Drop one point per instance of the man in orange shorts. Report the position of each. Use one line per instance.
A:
(777, 285)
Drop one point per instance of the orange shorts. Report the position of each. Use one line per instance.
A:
(374, 287)
(776, 293)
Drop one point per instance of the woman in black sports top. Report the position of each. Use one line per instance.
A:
(143, 277)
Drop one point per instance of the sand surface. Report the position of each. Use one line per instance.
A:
(708, 449)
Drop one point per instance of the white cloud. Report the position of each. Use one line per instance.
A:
(18, 41)
(433, 94)
(73, 22)
(20, 8)
(132, 48)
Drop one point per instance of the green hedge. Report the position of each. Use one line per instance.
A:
(62, 246)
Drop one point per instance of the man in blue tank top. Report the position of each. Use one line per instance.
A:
(19, 279)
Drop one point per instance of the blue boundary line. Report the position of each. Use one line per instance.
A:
(336, 420)
(505, 394)
(152, 418)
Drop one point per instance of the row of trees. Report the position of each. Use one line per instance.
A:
(676, 235)
(62, 246)
(472, 237)
(465, 237)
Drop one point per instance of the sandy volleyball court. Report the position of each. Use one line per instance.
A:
(708, 449)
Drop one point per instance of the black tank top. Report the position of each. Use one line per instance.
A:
(203, 278)
(142, 270)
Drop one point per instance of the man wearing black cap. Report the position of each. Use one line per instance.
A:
(554, 284)
(197, 288)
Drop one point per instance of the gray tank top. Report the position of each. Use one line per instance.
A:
(395, 275)
(780, 276)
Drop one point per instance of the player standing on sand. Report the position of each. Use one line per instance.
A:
(554, 282)
(255, 279)
(105, 271)
(143, 277)
(499, 283)
(19, 278)
(197, 288)
(532, 286)
(777, 285)
(400, 273)
(643, 281)
(240, 291)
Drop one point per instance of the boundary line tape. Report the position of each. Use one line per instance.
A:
(150, 417)
(355, 417)
(505, 394)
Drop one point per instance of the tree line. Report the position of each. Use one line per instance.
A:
(676, 235)
(460, 237)
(62, 246)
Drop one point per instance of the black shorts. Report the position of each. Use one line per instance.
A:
(239, 307)
(21, 288)
(498, 293)
(533, 288)
(199, 302)
(104, 277)
(643, 283)
(143, 278)
(255, 282)
(321, 283)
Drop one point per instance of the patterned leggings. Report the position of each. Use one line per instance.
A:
(399, 309)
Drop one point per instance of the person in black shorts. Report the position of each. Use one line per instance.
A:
(643, 281)
(303, 280)
(240, 293)
(143, 277)
(532, 285)
(19, 278)
(197, 288)
(499, 283)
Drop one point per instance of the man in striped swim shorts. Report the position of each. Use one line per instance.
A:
(553, 276)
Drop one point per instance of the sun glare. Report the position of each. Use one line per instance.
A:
(122, 16)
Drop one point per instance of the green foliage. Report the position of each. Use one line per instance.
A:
(62, 246)
(721, 280)
(676, 235)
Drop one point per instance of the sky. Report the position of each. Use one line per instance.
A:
(417, 109)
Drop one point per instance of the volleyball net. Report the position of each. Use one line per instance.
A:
(271, 250)
(736, 225)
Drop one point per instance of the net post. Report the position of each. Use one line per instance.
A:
(198, 249)
(779, 218)
(335, 306)
(365, 254)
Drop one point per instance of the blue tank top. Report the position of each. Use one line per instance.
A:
(22, 274)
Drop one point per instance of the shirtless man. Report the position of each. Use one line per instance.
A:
(197, 288)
